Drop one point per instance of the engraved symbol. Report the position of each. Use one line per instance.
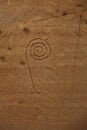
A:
(39, 49)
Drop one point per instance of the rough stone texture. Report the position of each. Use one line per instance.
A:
(43, 65)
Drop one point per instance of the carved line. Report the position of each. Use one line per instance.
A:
(76, 49)
(79, 27)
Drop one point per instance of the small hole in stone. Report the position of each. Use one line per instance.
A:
(26, 30)
(9, 48)
(64, 13)
(57, 10)
(22, 63)
(2, 59)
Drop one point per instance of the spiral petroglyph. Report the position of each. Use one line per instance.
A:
(39, 49)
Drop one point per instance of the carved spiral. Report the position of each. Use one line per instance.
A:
(39, 49)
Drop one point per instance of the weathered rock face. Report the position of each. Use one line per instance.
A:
(43, 65)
